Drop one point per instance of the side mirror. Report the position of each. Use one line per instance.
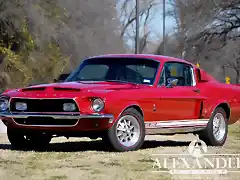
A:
(172, 82)
(61, 78)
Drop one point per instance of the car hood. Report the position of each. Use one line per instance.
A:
(72, 87)
(83, 86)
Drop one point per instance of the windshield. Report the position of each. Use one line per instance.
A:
(132, 70)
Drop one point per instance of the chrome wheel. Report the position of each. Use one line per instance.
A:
(128, 130)
(219, 126)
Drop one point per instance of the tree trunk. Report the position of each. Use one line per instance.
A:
(224, 73)
(237, 76)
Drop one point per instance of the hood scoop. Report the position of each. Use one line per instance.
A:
(68, 89)
(33, 89)
(65, 89)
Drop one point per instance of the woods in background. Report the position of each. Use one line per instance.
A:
(41, 39)
(204, 31)
(207, 32)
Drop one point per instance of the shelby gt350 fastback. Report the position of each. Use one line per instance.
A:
(121, 98)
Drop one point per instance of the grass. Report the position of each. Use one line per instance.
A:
(234, 130)
(76, 159)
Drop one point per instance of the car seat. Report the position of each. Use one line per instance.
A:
(181, 79)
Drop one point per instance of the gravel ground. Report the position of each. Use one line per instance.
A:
(77, 158)
(3, 128)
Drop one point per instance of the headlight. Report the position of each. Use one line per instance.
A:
(69, 107)
(97, 105)
(3, 104)
(21, 106)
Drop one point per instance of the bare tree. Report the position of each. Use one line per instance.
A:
(128, 19)
(231, 54)
(178, 12)
(207, 31)
(219, 36)
(40, 37)
(226, 21)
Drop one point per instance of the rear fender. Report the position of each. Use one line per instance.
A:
(210, 106)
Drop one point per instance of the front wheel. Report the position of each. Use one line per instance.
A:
(29, 141)
(128, 132)
(216, 131)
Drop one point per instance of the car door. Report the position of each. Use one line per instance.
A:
(180, 102)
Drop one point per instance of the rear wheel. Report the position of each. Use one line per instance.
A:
(29, 141)
(216, 131)
(128, 133)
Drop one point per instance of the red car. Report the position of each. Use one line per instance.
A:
(121, 98)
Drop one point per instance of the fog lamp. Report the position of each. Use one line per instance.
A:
(69, 107)
(21, 106)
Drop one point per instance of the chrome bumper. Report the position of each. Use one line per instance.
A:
(55, 116)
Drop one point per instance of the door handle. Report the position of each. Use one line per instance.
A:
(196, 90)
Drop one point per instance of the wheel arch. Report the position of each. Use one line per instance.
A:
(135, 106)
(226, 108)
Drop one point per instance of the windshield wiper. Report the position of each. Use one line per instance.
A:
(121, 81)
(93, 81)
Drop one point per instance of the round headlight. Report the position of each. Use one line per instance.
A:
(3, 104)
(69, 107)
(21, 106)
(97, 105)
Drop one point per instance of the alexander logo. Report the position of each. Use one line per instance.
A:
(196, 160)
(197, 148)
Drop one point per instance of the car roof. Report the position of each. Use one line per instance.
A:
(159, 58)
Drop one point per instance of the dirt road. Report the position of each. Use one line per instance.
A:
(76, 159)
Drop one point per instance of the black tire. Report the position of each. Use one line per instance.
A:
(207, 134)
(112, 132)
(105, 138)
(21, 141)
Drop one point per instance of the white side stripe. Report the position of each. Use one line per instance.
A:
(176, 123)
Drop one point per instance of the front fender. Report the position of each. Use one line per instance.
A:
(118, 107)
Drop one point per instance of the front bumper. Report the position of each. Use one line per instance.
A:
(55, 116)
(83, 121)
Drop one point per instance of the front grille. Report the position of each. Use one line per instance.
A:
(42, 105)
(45, 121)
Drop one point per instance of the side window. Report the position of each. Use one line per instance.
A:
(180, 71)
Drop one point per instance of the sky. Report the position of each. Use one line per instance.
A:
(156, 24)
